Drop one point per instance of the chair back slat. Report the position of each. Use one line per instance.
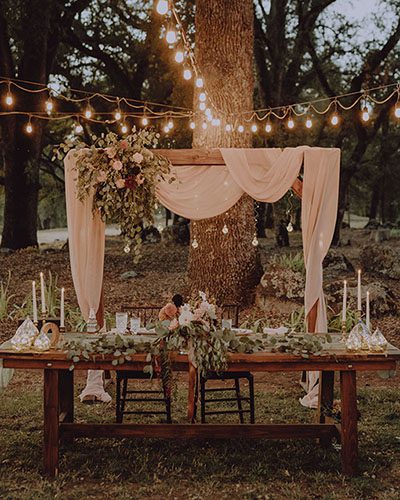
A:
(145, 313)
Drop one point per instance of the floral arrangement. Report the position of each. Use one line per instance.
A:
(124, 175)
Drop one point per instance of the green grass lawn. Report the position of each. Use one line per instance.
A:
(199, 469)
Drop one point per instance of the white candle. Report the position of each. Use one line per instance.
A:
(359, 307)
(62, 325)
(34, 302)
(368, 319)
(42, 296)
(344, 301)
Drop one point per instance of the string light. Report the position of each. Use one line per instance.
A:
(228, 127)
(290, 123)
(187, 74)
(179, 56)
(49, 106)
(199, 83)
(166, 129)
(118, 114)
(216, 122)
(170, 124)
(192, 125)
(202, 106)
(397, 111)
(334, 119)
(88, 113)
(124, 128)
(240, 129)
(254, 128)
(162, 7)
(145, 121)
(309, 122)
(268, 127)
(171, 36)
(204, 125)
(29, 128)
(202, 96)
(78, 128)
(9, 98)
(365, 114)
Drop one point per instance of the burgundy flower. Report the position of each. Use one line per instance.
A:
(130, 182)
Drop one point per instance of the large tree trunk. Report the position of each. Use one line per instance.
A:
(22, 151)
(227, 266)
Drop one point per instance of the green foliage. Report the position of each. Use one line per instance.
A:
(5, 297)
(335, 321)
(295, 262)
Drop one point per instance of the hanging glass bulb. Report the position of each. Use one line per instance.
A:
(29, 128)
(127, 248)
(397, 111)
(268, 128)
(240, 129)
(9, 99)
(365, 114)
(166, 129)
(228, 127)
(194, 243)
(290, 123)
(202, 106)
(179, 56)
(192, 125)
(225, 229)
(145, 121)
(308, 122)
(162, 7)
(187, 74)
(255, 241)
(88, 113)
(78, 128)
(202, 96)
(289, 227)
(254, 128)
(171, 36)
(49, 106)
(199, 83)
(118, 114)
(216, 122)
(204, 125)
(334, 119)
(124, 128)
(170, 124)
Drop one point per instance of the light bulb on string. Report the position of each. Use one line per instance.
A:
(170, 124)
(162, 7)
(254, 128)
(228, 127)
(192, 125)
(309, 123)
(199, 83)
(397, 110)
(118, 114)
(187, 74)
(202, 97)
(124, 128)
(204, 125)
(202, 106)
(255, 241)
(88, 113)
(9, 97)
(365, 114)
(179, 56)
(166, 129)
(225, 229)
(78, 128)
(145, 121)
(240, 129)
(194, 243)
(29, 128)
(171, 36)
(209, 118)
(290, 123)
(208, 112)
(268, 127)
(216, 122)
(334, 119)
(49, 106)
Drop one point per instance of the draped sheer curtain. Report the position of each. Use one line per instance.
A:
(200, 192)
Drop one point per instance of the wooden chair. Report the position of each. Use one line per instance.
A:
(228, 311)
(160, 402)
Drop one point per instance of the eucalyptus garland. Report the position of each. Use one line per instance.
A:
(122, 175)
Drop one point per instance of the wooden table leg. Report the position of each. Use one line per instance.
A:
(349, 415)
(325, 401)
(66, 397)
(51, 423)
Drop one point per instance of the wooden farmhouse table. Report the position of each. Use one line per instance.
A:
(59, 425)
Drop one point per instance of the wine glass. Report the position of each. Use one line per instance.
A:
(226, 324)
(135, 324)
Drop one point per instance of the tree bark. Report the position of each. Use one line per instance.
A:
(224, 51)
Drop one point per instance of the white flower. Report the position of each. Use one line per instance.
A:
(137, 158)
(203, 296)
(186, 316)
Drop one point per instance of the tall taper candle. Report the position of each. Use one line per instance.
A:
(344, 300)
(62, 325)
(34, 302)
(368, 319)
(359, 307)
(42, 296)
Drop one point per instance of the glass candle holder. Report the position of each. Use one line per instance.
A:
(121, 322)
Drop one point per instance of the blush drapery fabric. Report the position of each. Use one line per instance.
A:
(201, 192)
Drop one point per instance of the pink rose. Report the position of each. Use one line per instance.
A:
(120, 183)
(123, 144)
(102, 177)
(139, 179)
(137, 158)
(198, 314)
(117, 165)
(111, 152)
(169, 311)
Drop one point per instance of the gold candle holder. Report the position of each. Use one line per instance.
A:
(344, 332)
